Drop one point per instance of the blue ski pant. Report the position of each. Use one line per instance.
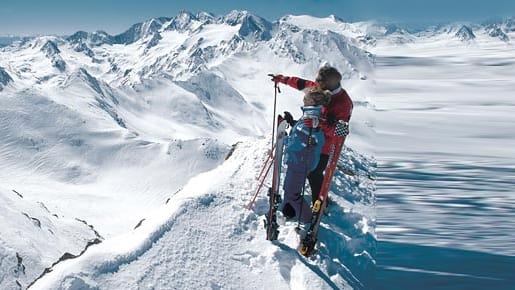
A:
(294, 181)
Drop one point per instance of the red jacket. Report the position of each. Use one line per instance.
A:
(340, 108)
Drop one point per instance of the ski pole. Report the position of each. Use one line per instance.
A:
(276, 90)
(268, 159)
(261, 178)
(251, 203)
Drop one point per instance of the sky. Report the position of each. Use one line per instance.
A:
(33, 17)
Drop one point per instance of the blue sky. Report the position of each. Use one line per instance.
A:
(30, 17)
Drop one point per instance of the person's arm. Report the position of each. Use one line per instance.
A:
(300, 84)
(294, 82)
(340, 111)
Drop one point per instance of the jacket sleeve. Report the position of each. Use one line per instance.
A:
(344, 111)
(339, 111)
(300, 84)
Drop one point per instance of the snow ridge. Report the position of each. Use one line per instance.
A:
(163, 252)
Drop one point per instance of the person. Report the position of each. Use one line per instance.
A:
(303, 148)
(339, 108)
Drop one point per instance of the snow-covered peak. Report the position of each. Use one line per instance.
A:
(8, 40)
(84, 77)
(50, 48)
(393, 28)
(359, 31)
(235, 17)
(182, 21)
(141, 30)
(507, 24)
(496, 31)
(93, 39)
(205, 17)
(465, 33)
(252, 26)
(312, 22)
(52, 52)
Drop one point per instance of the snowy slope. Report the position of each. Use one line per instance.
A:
(32, 238)
(71, 161)
(172, 247)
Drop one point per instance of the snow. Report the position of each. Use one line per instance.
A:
(158, 147)
(79, 162)
(32, 238)
(332, 23)
(465, 91)
(133, 139)
(156, 143)
(444, 128)
(164, 251)
(137, 140)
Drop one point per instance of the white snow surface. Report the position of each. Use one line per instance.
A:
(202, 238)
(32, 238)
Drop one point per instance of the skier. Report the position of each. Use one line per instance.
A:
(303, 148)
(340, 108)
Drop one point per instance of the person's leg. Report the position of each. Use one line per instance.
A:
(293, 200)
(302, 208)
(316, 177)
(288, 211)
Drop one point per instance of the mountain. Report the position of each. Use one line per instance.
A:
(252, 27)
(162, 126)
(465, 33)
(127, 160)
(185, 21)
(140, 30)
(52, 52)
(496, 31)
(5, 78)
(380, 33)
(92, 39)
(154, 137)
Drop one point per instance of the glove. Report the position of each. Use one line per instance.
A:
(280, 79)
(289, 118)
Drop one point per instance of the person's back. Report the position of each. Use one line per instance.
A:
(304, 144)
(303, 149)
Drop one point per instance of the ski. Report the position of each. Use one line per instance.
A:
(309, 241)
(271, 226)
